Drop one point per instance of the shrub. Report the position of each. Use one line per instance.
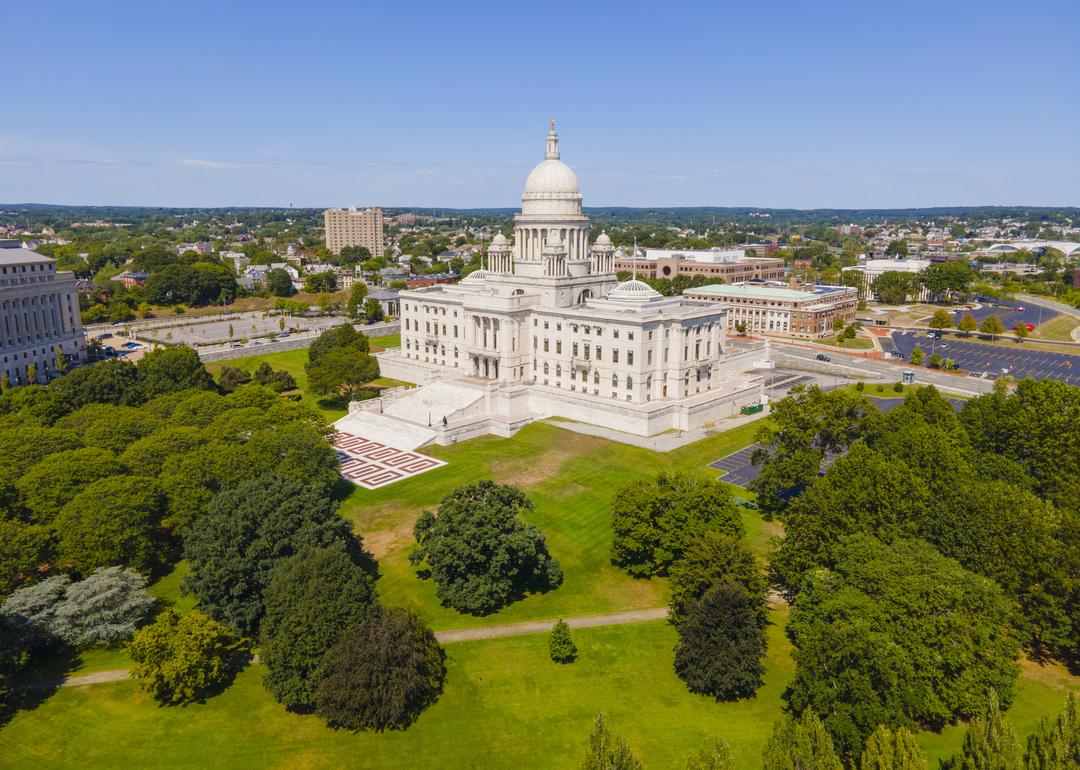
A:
(880, 388)
(608, 750)
(381, 674)
(898, 387)
(802, 743)
(860, 386)
(479, 553)
(561, 643)
(184, 659)
(655, 523)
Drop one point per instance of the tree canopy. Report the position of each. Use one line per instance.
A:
(479, 552)
(312, 599)
(382, 674)
(655, 523)
(246, 532)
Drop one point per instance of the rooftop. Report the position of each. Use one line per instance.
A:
(22, 257)
(762, 290)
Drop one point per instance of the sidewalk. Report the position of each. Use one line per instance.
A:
(663, 442)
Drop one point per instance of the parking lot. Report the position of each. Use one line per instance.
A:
(979, 358)
(1032, 313)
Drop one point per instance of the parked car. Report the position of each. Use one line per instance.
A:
(1019, 308)
(823, 357)
(1030, 327)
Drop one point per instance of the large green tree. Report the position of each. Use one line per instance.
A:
(312, 599)
(479, 552)
(804, 429)
(382, 673)
(115, 521)
(897, 634)
(106, 382)
(171, 369)
(50, 484)
(722, 643)
(716, 557)
(341, 336)
(341, 371)
(181, 659)
(894, 287)
(655, 523)
(246, 532)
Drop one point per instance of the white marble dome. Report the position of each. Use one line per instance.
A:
(551, 178)
(634, 291)
(603, 239)
(499, 240)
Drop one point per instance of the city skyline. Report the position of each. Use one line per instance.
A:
(840, 106)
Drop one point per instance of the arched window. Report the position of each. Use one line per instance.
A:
(517, 292)
(596, 378)
(545, 368)
(629, 382)
(614, 380)
(558, 370)
(585, 294)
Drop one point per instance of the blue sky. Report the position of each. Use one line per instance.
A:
(771, 104)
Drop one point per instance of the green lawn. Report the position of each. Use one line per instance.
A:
(856, 343)
(506, 705)
(1057, 329)
(293, 362)
(571, 478)
(386, 341)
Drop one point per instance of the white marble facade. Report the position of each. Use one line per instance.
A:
(547, 313)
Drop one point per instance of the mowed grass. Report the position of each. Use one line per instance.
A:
(505, 705)
(293, 361)
(571, 479)
(1058, 329)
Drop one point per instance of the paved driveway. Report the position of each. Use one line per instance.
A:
(1022, 362)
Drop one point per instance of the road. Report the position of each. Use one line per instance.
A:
(874, 368)
(1034, 313)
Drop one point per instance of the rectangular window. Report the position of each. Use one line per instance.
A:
(614, 355)
(599, 353)
(630, 357)
(545, 345)
(558, 346)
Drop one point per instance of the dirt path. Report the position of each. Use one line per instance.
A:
(445, 637)
(97, 677)
(543, 626)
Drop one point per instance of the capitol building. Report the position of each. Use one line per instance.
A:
(545, 329)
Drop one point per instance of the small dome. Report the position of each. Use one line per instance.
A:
(499, 240)
(552, 179)
(476, 276)
(603, 239)
(634, 290)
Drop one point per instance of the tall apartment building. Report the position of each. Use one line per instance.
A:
(352, 227)
(39, 313)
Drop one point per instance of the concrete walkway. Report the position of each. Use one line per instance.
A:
(544, 626)
(444, 637)
(664, 442)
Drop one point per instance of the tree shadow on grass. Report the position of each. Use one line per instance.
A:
(39, 680)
